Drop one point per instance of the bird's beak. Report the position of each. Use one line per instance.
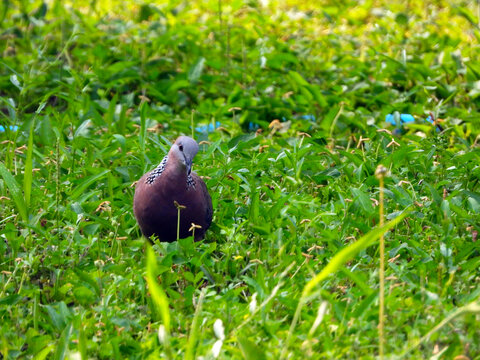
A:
(188, 164)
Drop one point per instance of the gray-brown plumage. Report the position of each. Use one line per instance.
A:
(172, 181)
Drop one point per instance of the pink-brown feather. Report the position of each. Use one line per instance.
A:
(154, 203)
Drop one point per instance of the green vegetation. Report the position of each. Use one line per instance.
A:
(290, 102)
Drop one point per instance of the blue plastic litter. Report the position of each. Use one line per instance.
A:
(404, 119)
(207, 128)
(11, 127)
(309, 117)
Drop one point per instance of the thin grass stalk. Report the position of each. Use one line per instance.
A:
(192, 339)
(35, 312)
(143, 131)
(12, 276)
(382, 280)
(27, 175)
(28, 172)
(179, 208)
(380, 173)
(178, 223)
(191, 124)
(57, 188)
(334, 122)
(24, 275)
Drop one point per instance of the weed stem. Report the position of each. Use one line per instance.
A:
(380, 174)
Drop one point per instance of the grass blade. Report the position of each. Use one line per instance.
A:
(473, 307)
(82, 343)
(28, 175)
(334, 265)
(62, 346)
(249, 349)
(86, 183)
(349, 252)
(42, 354)
(143, 132)
(190, 352)
(159, 298)
(15, 191)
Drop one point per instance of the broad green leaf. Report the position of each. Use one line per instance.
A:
(249, 349)
(57, 318)
(45, 132)
(254, 206)
(84, 295)
(317, 94)
(445, 206)
(196, 70)
(42, 354)
(363, 200)
(62, 345)
(474, 205)
(14, 80)
(10, 299)
(86, 183)
(15, 191)
(88, 278)
(84, 129)
(298, 78)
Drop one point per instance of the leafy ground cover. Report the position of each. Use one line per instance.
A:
(290, 101)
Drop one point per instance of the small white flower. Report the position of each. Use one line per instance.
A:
(162, 334)
(296, 15)
(216, 348)
(263, 61)
(322, 310)
(219, 330)
(253, 303)
(75, 356)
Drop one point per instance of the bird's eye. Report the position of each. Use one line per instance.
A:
(180, 147)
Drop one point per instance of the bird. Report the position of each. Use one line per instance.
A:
(170, 189)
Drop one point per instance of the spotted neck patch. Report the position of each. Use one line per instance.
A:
(155, 173)
(190, 182)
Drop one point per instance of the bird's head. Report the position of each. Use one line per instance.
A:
(184, 150)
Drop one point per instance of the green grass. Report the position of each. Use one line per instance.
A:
(290, 265)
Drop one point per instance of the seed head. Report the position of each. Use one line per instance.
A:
(381, 172)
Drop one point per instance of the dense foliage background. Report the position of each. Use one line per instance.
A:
(290, 100)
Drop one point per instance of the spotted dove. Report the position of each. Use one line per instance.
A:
(159, 192)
